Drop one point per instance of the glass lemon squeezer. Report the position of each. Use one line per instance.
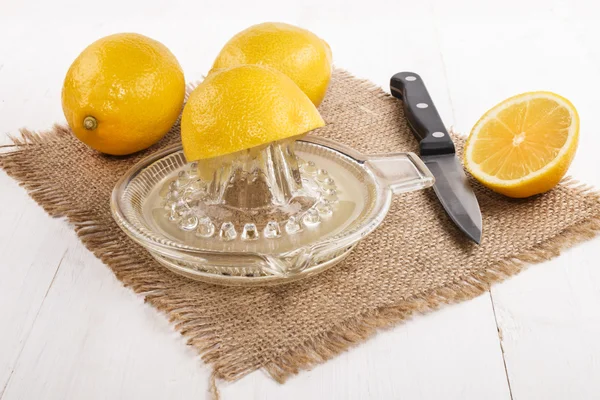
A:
(263, 216)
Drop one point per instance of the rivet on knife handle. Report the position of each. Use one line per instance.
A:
(422, 116)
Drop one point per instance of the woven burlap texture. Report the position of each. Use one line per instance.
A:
(415, 262)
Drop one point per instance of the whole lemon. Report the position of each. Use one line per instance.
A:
(296, 52)
(242, 107)
(123, 93)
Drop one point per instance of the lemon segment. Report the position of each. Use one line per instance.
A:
(243, 107)
(524, 145)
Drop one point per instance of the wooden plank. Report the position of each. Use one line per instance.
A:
(94, 339)
(550, 323)
(31, 247)
(548, 315)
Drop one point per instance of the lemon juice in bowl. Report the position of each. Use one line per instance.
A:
(263, 199)
(166, 206)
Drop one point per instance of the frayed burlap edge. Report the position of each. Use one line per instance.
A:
(315, 351)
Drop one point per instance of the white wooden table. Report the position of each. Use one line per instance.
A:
(70, 330)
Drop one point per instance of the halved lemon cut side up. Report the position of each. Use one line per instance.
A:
(524, 145)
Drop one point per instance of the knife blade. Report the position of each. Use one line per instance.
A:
(438, 153)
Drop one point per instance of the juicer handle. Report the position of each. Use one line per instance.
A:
(401, 172)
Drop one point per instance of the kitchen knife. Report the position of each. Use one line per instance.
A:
(438, 153)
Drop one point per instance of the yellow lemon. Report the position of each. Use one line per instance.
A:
(242, 107)
(296, 52)
(524, 145)
(123, 93)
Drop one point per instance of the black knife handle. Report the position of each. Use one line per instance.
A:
(423, 118)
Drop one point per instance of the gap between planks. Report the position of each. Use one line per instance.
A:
(500, 342)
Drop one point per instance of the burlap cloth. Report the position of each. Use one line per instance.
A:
(415, 262)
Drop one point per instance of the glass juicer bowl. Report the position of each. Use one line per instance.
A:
(262, 216)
